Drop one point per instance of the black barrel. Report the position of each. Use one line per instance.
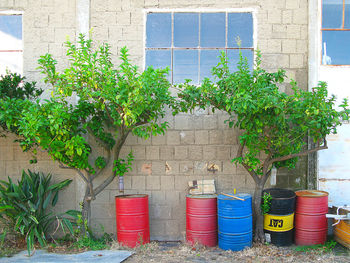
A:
(282, 202)
(278, 222)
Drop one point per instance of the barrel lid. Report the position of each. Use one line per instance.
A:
(225, 196)
(311, 193)
(280, 193)
(131, 196)
(202, 196)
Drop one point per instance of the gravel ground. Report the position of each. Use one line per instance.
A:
(176, 252)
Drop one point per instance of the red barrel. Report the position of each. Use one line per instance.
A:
(132, 219)
(201, 220)
(310, 217)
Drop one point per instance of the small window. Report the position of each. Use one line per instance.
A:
(335, 32)
(190, 43)
(11, 44)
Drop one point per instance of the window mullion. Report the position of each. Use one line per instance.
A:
(343, 22)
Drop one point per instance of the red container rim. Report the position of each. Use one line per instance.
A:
(131, 196)
(202, 196)
(311, 193)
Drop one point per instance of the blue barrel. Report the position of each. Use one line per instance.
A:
(235, 222)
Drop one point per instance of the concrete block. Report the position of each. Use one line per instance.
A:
(152, 152)
(160, 212)
(173, 137)
(157, 228)
(239, 181)
(292, 4)
(224, 183)
(296, 61)
(215, 137)
(181, 152)
(293, 31)
(172, 229)
(209, 152)
(223, 152)
(300, 16)
(274, 46)
(7, 153)
(123, 18)
(102, 211)
(289, 46)
(172, 197)
(197, 122)
(210, 121)
(229, 137)
(302, 46)
(171, 167)
(138, 182)
(153, 183)
(142, 141)
(159, 139)
(187, 137)
(101, 198)
(186, 167)
(157, 198)
(229, 167)
(158, 167)
(167, 182)
(167, 152)
(287, 16)
(274, 16)
(181, 182)
(195, 152)
(200, 167)
(182, 122)
(139, 152)
(201, 137)
(144, 168)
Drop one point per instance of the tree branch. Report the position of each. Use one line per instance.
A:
(290, 156)
(62, 166)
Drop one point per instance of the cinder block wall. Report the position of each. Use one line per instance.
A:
(164, 164)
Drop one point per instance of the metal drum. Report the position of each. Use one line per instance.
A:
(235, 223)
(279, 222)
(132, 219)
(201, 220)
(310, 217)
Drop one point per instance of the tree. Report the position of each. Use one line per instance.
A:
(112, 104)
(273, 125)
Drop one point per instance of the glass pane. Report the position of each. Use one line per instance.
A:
(158, 30)
(347, 14)
(159, 59)
(240, 25)
(209, 59)
(213, 30)
(185, 66)
(186, 29)
(335, 47)
(10, 32)
(12, 61)
(332, 13)
(233, 58)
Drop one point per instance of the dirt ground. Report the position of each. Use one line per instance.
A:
(176, 252)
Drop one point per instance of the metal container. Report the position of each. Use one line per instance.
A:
(279, 229)
(201, 220)
(342, 233)
(132, 219)
(282, 201)
(235, 222)
(310, 217)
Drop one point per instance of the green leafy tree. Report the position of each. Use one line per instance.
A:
(273, 126)
(112, 103)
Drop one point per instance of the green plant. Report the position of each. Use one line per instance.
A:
(266, 203)
(273, 126)
(321, 248)
(24, 207)
(114, 102)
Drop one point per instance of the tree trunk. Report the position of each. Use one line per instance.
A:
(258, 216)
(86, 212)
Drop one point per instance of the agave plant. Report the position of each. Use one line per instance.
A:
(24, 207)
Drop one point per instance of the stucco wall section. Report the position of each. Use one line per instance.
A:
(163, 165)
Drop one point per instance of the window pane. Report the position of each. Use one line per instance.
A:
(185, 66)
(186, 29)
(209, 59)
(332, 13)
(347, 14)
(335, 47)
(158, 30)
(159, 59)
(233, 58)
(12, 61)
(240, 25)
(213, 30)
(10, 32)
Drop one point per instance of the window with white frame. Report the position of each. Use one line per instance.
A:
(335, 32)
(190, 43)
(11, 43)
